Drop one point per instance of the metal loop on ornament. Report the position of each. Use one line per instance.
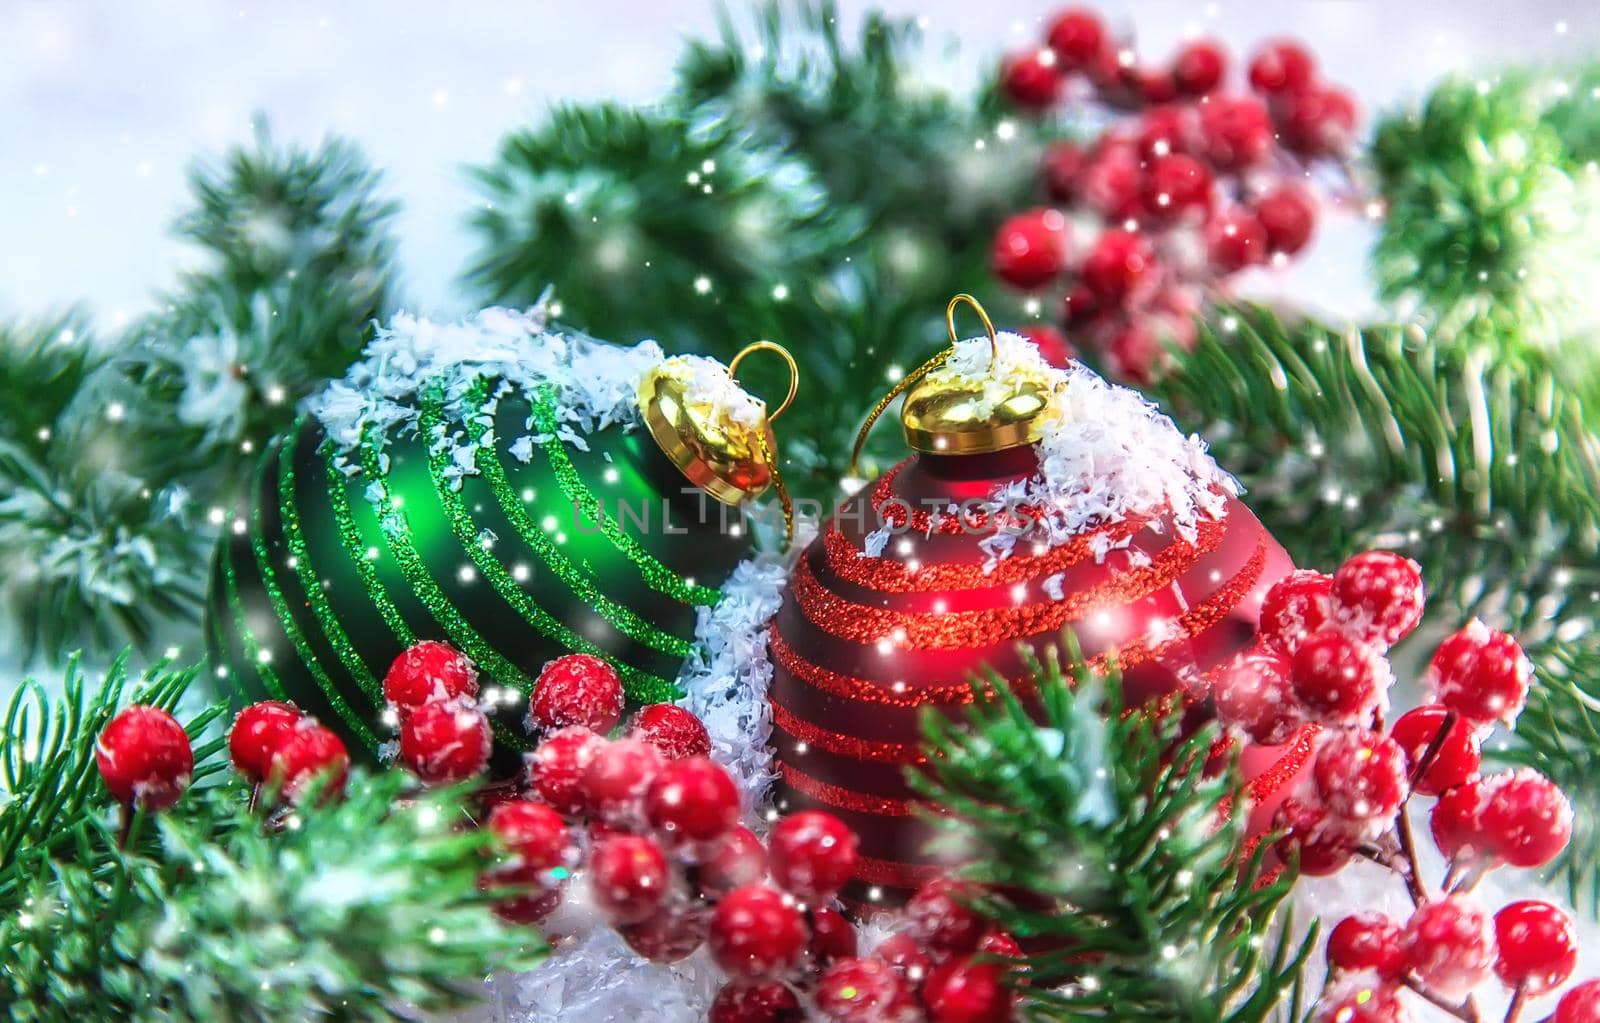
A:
(977, 307)
(794, 370)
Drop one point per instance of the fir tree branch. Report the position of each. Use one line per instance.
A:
(1106, 838)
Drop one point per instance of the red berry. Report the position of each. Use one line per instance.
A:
(940, 917)
(576, 689)
(526, 900)
(1377, 597)
(1154, 87)
(757, 933)
(1360, 1001)
(1001, 944)
(1526, 818)
(1361, 776)
(1457, 822)
(693, 799)
(771, 1002)
(1109, 182)
(1481, 674)
(1120, 266)
(906, 956)
(1136, 353)
(1319, 121)
(428, 671)
(144, 757)
(1165, 130)
(1448, 945)
(1281, 67)
(532, 832)
(1456, 759)
(1199, 67)
(445, 741)
(963, 991)
(1031, 80)
(671, 934)
(1053, 345)
(1235, 239)
(862, 991)
(738, 859)
(1079, 307)
(1289, 216)
(618, 776)
(629, 877)
(1536, 948)
(676, 732)
(832, 937)
(1176, 186)
(557, 768)
(1063, 162)
(1252, 693)
(1339, 680)
(1295, 607)
(1367, 941)
(1324, 844)
(1581, 1004)
(1078, 38)
(257, 732)
(1236, 130)
(813, 854)
(312, 753)
(1030, 249)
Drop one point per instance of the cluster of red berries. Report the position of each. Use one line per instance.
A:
(279, 746)
(1321, 660)
(1189, 183)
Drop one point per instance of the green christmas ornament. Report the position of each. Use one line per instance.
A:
(513, 491)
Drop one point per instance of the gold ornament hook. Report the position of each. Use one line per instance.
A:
(794, 371)
(977, 307)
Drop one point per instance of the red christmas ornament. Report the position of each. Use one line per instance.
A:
(1449, 946)
(576, 689)
(1526, 818)
(1030, 249)
(428, 671)
(1481, 674)
(757, 933)
(676, 732)
(1457, 757)
(1339, 680)
(144, 757)
(257, 732)
(1361, 776)
(812, 854)
(1377, 597)
(1281, 67)
(629, 877)
(1367, 941)
(963, 991)
(1078, 38)
(1288, 214)
(1199, 68)
(557, 768)
(1535, 948)
(618, 776)
(446, 741)
(1323, 843)
(1294, 608)
(693, 799)
(1457, 822)
(1032, 80)
(1581, 1004)
(313, 753)
(738, 859)
(862, 991)
(769, 1002)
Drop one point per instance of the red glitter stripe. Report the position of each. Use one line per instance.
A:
(1192, 623)
(843, 799)
(887, 575)
(860, 689)
(942, 631)
(896, 874)
(1264, 785)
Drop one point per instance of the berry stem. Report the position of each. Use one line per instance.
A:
(1467, 1011)
(1431, 754)
(125, 826)
(1408, 848)
(1515, 1008)
(255, 796)
(1470, 879)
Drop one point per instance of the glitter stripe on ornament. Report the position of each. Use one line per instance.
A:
(899, 513)
(896, 874)
(846, 745)
(859, 689)
(843, 799)
(464, 525)
(959, 629)
(888, 575)
(655, 574)
(247, 636)
(297, 639)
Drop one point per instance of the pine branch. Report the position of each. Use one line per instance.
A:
(1105, 835)
(796, 186)
(351, 912)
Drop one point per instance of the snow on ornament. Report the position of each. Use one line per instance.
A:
(1038, 500)
(514, 490)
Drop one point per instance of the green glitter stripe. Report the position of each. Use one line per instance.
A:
(656, 575)
(624, 619)
(289, 514)
(291, 628)
(639, 685)
(350, 535)
(247, 638)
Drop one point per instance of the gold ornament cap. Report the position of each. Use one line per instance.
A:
(951, 413)
(731, 457)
